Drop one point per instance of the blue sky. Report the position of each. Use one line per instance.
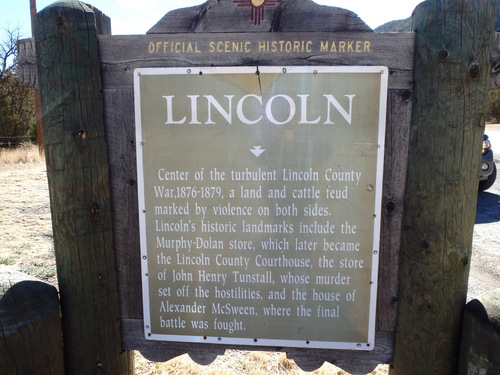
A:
(138, 16)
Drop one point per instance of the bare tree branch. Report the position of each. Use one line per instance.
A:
(8, 48)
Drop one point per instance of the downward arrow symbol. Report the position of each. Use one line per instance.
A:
(257, 150)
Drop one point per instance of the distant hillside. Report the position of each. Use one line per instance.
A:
(398, 26)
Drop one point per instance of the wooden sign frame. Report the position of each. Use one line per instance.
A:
(120, 55)
(117, 68)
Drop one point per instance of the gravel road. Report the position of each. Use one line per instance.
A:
(485, 263)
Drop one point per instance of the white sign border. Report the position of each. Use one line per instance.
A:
(384, 74)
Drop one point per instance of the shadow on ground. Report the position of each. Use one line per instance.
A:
(488, 208)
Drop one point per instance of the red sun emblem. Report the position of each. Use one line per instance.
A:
(257, 7)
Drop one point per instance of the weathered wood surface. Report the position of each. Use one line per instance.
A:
(77, 171)
(26, 60)
(38, 101)
(128, 57)
(452, 70)
(480, 343)
(277, 15)
(121, 55)
(120, 130)
(27, 54)
(30, 326)
(399, 106)
(352, 361)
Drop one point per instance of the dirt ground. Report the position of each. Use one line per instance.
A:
(485, 263)
(26, 245)
(25, 224)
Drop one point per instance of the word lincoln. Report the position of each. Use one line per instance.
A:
(252, 109)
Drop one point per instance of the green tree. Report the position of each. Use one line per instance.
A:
(17, 103)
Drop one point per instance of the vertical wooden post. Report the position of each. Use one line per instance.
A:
(30, 326)
(38, 102)
(77, 170)
(452, 70)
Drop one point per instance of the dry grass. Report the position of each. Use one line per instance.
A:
(238, 362)
(26, 245)
(25, 223)
(26, 153)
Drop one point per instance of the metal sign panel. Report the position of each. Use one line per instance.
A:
(260, 203)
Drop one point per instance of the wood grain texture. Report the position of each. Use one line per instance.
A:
(399, 105)
(121, 55)
(28, 74)
(26, 60)
(452, 70)
(76, 156)
(282, 16)
(30, 326)
(120, 134)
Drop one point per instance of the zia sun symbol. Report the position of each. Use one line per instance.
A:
(257, 8)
